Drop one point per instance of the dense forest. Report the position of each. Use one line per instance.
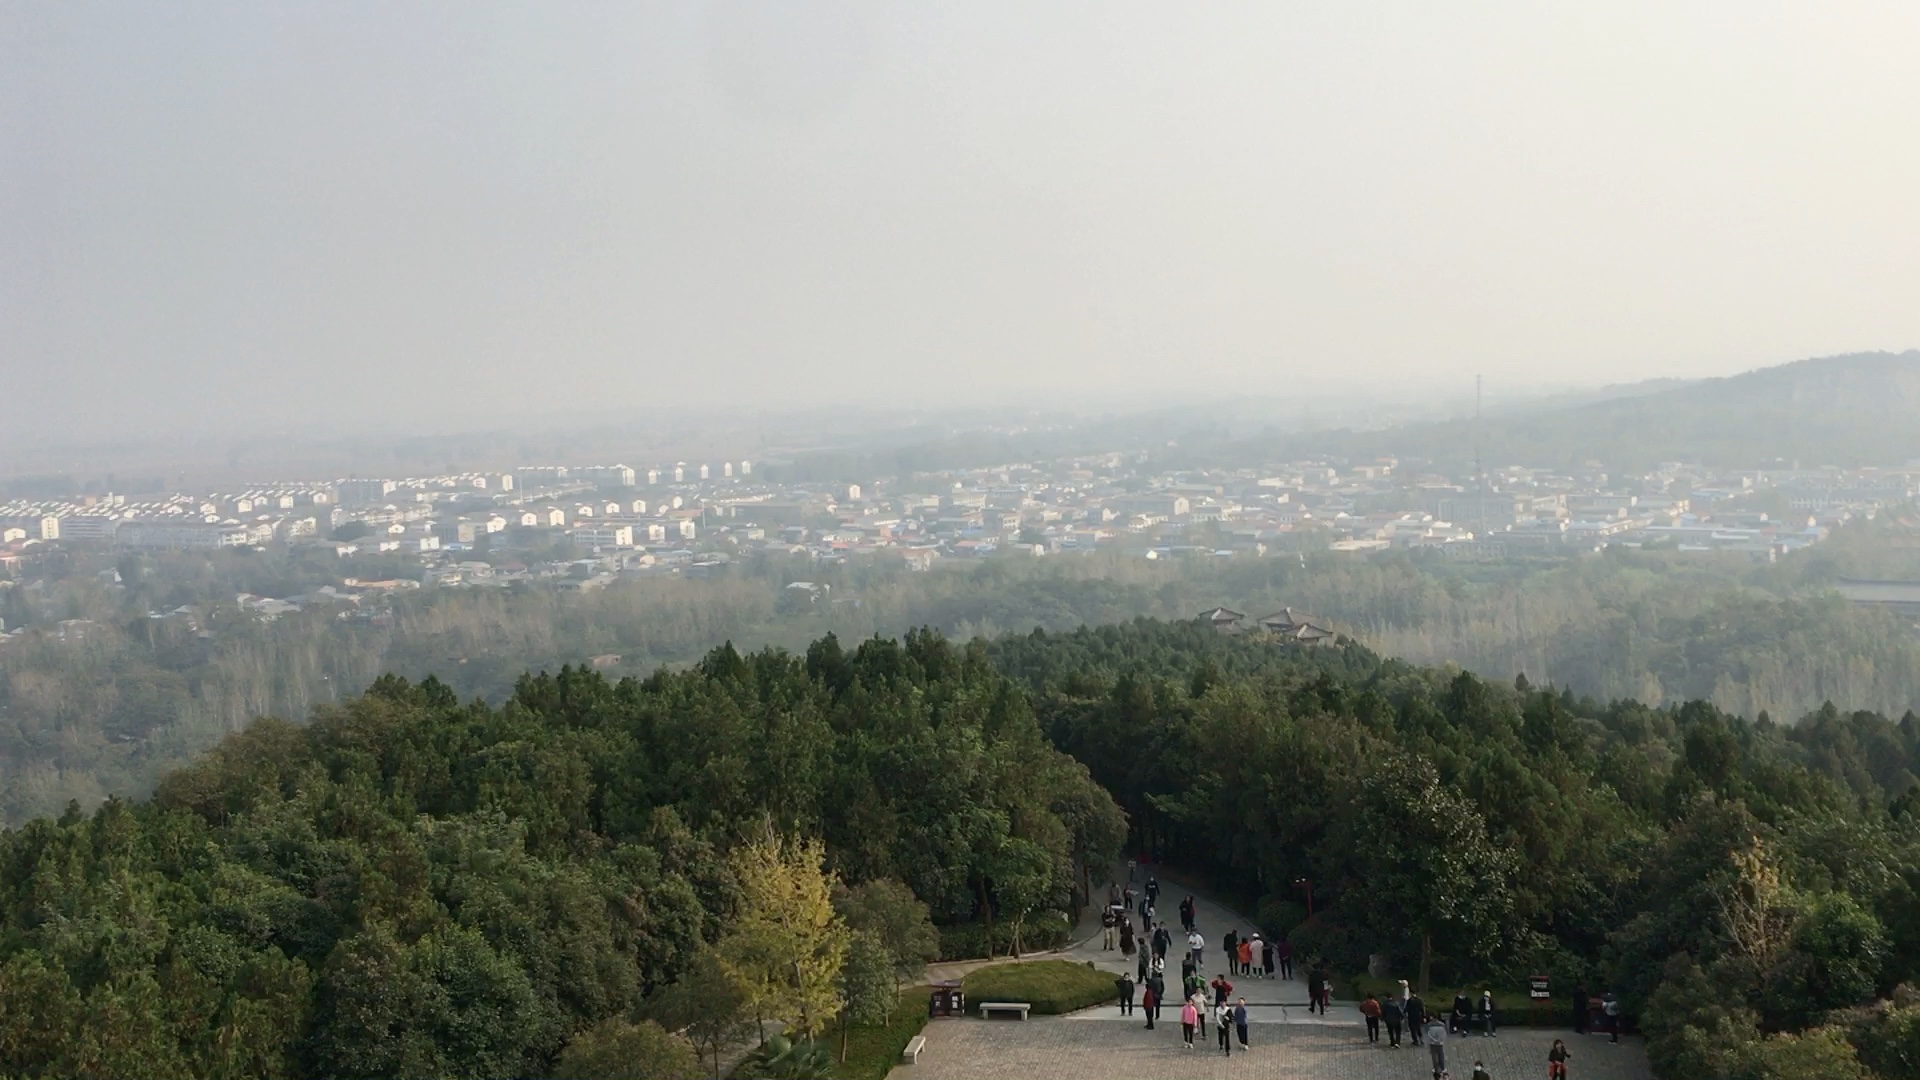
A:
(104, 712)
(415, 886)
(369, 893)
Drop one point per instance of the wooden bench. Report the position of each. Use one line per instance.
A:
(911, 1055)
(989, 1007)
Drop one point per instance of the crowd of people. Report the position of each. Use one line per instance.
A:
(1200, 1001)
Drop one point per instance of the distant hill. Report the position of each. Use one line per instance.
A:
(1859, 409)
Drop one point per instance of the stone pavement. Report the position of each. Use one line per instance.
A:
(1288, 1042)
(1059, 1048)
(1266, 998)
(1213, 921)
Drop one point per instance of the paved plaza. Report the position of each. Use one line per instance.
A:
(1078, 1048)
(1288, 1042)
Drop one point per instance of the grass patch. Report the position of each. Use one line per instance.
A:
(1050, 986)
(1515, 1008)
(873, 1050)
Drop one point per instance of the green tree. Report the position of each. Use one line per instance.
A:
(1887, 1039)
(1833, 961)
(39, 1016)
(1820, 1054)
(614, 1049)
(888, 910)
(866, 984)
(1023, 881)
(709, 1004)
(1423, 863)
(1694, 1026)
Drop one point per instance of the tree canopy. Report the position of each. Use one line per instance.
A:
(376, 892)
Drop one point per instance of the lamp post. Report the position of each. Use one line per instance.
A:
(1303, 883)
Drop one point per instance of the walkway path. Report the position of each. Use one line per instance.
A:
(1057, 1048)
(1274, 1000)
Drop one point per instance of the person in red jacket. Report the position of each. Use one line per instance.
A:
(1370, 1008)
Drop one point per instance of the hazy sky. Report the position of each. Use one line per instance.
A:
(404, 212)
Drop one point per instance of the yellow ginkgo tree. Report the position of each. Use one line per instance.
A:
(786, 944)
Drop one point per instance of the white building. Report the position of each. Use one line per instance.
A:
(615, 475)
(83, 527)
(182, 535)
(603, 536)
(359, 492)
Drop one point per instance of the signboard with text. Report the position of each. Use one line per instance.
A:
(1537, 987)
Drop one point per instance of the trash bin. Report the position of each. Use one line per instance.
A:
(946, 1000)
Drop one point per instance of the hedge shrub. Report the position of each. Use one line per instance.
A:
(1050, 986)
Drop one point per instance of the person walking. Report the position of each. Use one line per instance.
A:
(1557, 1061)
(1437, 1046)
(1263, 955)
(1132, 865)
(1284, 951)
(1188, 1017)
(1230, 944)
(1462, 1012)
(1142, 965)
(1186, 914)
(1246, 957)
(1153, 890)
(1370, 1008)
(1317, 990)
(1394, 1014)
(1223, 1020)
(1610, 1006)
(1159, 987)
(1126, 936)
(1488, 1016)
(1416, 1017)
(1198, 999)
(1124, 984)
(1480, 1071)
(1109, 926)
(1161, 940)
(1197, 945)
(1150, 1004)
(1240, 1022)
(1221, 989)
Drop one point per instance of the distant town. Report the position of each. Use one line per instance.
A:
(582, 526)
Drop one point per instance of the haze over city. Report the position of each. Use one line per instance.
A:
(291, 216)
(646, 541)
